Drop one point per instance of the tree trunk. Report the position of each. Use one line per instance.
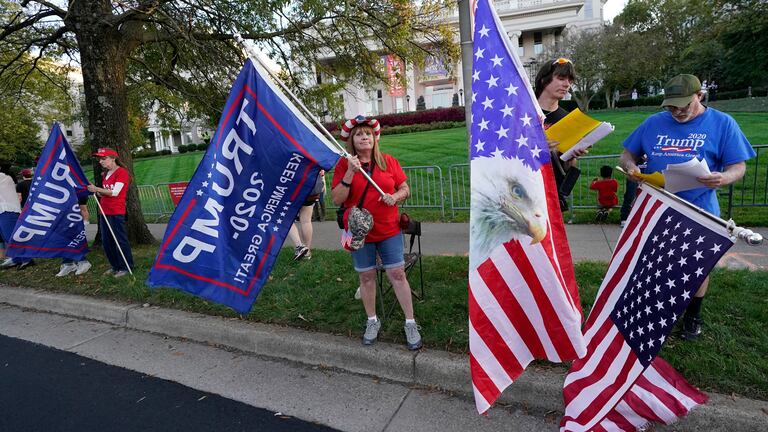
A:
(103, 55)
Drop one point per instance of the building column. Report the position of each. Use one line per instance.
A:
(514, 38)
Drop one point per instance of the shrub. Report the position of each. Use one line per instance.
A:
(165, 152)
(453, 114)
(394, 130)
(145, 154)
(183, 149)
(202, 146)
(643, 101)
(738, 94)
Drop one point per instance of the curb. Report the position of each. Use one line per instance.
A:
(537, 391)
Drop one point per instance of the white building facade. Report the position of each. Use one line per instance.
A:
(162, 137)
(536, 27)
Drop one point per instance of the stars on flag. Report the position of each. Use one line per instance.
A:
(502, 120)
(663, 281)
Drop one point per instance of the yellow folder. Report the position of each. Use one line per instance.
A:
(656, 179)
(571, 129)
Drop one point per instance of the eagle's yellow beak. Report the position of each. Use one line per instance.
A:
(537, 228)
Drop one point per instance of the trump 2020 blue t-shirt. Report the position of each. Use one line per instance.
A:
(712, 136)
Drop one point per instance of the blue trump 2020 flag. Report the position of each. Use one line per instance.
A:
(50, 224)
(228, 229)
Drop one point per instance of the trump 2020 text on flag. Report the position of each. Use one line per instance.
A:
(523, 299)
(662, 257)
(227, 231)
(50, 224)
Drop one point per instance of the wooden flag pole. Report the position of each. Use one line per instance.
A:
(746, 235)
(256, 56)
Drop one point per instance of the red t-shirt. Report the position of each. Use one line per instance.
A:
(115, 205)
(385, 218)
(606, 192)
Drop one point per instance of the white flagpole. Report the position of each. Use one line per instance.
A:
(748, 236)
(117, 243)
(255, 55)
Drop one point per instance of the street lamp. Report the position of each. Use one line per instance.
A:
(461, 95)
(407, 102)
(532, 69)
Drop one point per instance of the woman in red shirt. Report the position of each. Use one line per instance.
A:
(384, 238)
(112, 194)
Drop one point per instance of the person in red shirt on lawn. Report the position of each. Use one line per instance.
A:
(112, 194)
(349, 187)
(606, 192)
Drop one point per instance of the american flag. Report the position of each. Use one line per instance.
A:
(662, 257)
(523, 299)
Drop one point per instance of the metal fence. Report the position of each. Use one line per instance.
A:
(458, 184)
(752, 190)
(426, 183)
(428, 190)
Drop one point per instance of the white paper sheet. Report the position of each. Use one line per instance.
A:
(682, 176)
(589, 139)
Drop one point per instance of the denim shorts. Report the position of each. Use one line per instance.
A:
(390, 251)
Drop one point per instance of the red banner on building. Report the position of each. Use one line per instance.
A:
(395, 72)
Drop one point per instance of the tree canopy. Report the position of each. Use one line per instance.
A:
(188, 49)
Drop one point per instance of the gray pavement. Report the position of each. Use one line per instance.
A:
(588, 242)
(318, 377)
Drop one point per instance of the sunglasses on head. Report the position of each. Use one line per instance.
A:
(561, 61)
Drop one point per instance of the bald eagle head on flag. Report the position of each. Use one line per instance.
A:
(508, 202)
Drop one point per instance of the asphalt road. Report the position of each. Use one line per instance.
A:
(45, 389)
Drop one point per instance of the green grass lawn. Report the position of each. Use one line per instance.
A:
(318, 295)
(447, 147)
(442, 148)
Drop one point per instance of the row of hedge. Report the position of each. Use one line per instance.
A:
(193, 147)
(437, 115)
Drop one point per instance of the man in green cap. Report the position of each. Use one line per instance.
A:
(689, 129)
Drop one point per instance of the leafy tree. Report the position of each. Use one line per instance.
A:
(743, 35)
(629, 59)
(585, 49)
(19, 142)
(188, 47)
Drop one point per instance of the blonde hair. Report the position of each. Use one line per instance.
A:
(377, 156)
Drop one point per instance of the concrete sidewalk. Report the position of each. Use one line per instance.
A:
(538, 391)
(588, 242)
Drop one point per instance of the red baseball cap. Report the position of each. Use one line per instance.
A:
(105, 152)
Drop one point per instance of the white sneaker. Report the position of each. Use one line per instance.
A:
(623, 223)
(358, 296)
(66, 269)
(8, 263)
(119, 274)
(83, 267)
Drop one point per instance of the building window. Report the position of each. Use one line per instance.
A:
(375, 103)
(69, 133)
(520, 47)
(538, 44)
(438, 96)
(588, 9)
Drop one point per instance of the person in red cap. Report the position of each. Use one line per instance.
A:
(349, 187)
(112, 194)
(22, 187)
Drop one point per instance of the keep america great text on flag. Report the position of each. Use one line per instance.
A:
(227, 231)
